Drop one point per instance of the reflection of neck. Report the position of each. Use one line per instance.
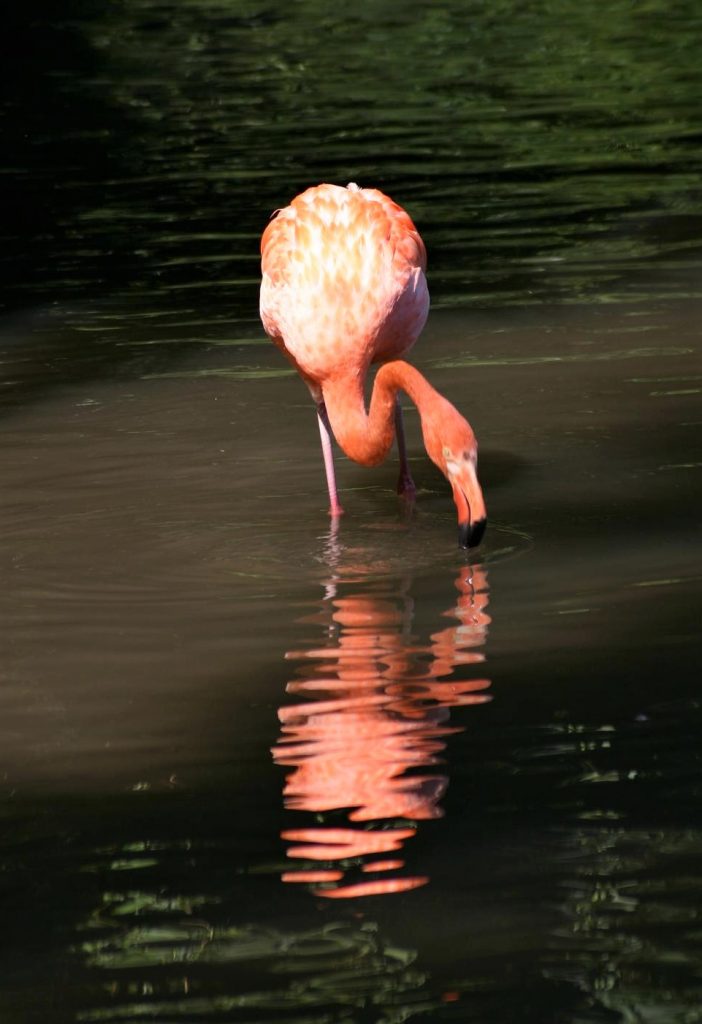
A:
(366, 436)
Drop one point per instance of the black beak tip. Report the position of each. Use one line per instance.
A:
(470, 534)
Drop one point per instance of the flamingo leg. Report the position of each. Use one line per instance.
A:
(405, 483)
(325, 434)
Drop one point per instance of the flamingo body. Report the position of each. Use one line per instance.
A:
(343, 281)
(343, 286)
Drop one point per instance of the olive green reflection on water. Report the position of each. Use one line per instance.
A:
(546, 152)
(631, 901)
(341, 968)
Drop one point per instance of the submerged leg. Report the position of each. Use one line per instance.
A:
(325, 434)
(405, 483)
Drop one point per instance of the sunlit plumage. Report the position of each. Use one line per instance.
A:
(343, 287)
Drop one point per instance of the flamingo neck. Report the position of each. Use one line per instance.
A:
(366, 436)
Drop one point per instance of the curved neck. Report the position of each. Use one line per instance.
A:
(366, 436)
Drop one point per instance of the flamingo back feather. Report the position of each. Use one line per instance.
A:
(343, 281)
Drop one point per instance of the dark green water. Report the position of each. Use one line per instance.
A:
(256, 769)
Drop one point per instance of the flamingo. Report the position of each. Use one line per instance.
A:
(343, 287)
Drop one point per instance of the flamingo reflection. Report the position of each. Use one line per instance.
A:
(374, 716)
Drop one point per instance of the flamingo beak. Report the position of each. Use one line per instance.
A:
(470, 505)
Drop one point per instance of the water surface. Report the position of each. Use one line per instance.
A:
(256, 768)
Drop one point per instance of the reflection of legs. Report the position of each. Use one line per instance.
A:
(405, 484)
(325, 434)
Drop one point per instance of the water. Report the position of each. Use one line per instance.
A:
(259, 769)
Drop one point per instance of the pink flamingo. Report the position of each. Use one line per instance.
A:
(343, 287)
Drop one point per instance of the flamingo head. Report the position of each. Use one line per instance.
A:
(451, 445)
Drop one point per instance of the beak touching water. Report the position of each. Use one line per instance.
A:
(470, 505)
